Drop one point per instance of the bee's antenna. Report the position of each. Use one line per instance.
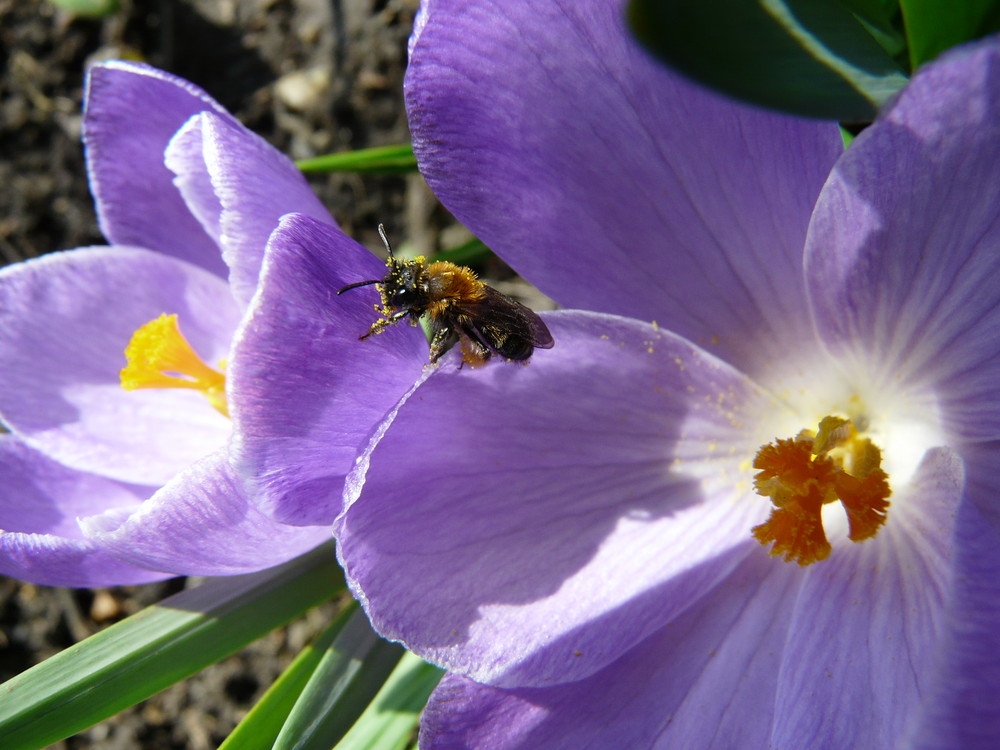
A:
(385, 240)
(359, 283)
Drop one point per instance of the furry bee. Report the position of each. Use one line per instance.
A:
(460, 309)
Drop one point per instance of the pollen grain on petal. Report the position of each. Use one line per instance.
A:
(158, 356)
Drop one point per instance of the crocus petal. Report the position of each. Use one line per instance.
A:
(41, 541)
(305, 392)
(516, 521)
(732, 670)
(864, 627)
(612, 184)
(706, 680)
(961, 708)
(981, 461)
(185, 157)
(65, 320)
(200, 523)
(242, 186)
(131, 113)
(904, 249)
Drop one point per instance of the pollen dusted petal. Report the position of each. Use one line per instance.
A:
(525, 608)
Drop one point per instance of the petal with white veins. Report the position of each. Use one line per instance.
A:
(131, 112)
(305, 392)
(706, 680)
(903, 254)
(526, 525)
(200, 523)
(65, 320)
(864, 628)
(239, 186)
(960, 709)
(611, 183)
(41, 540)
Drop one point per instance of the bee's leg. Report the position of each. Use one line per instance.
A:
(474, 354)
(382, 323)
(442, 340)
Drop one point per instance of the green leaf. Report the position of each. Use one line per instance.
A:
(807, 57)
(350, 674)
(159, 646)
(932, 26)
(882, 19)
(391, 719)
(261, 726)
(466, 254)
(381, 160)
(87, 8)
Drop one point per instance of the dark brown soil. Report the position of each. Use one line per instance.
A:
(312, 76)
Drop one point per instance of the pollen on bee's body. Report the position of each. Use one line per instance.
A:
(455, 282)
(158, 356)
(800, 475)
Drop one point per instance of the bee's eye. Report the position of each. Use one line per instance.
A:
(403, 296)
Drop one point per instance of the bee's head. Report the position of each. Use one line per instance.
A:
(405, 286)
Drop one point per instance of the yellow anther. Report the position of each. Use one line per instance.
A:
(803, 474)
(158, 356)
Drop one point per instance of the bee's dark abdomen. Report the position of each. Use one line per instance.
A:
(516, 348)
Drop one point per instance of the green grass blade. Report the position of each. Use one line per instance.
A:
(846, 136)
(260, 728)
(157, 647)
(88, 8)
(381, 160)
(349, 676)
(391, 719)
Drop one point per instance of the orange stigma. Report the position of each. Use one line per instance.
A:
(160, 357)
(802, 474)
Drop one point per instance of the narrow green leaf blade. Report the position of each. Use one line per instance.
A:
(932, 26)
(260, 728)
(350, 674)
(807, 57)
(157, 647)
(88, 8)
(381, 160)
(846, 136)
(390, 721)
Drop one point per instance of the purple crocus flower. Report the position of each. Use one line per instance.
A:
(103, 485)
(579, 541)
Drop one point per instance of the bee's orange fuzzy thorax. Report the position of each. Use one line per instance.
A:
(455, 282)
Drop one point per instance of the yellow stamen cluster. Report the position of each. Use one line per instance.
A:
(802, 474)
(160, 357)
